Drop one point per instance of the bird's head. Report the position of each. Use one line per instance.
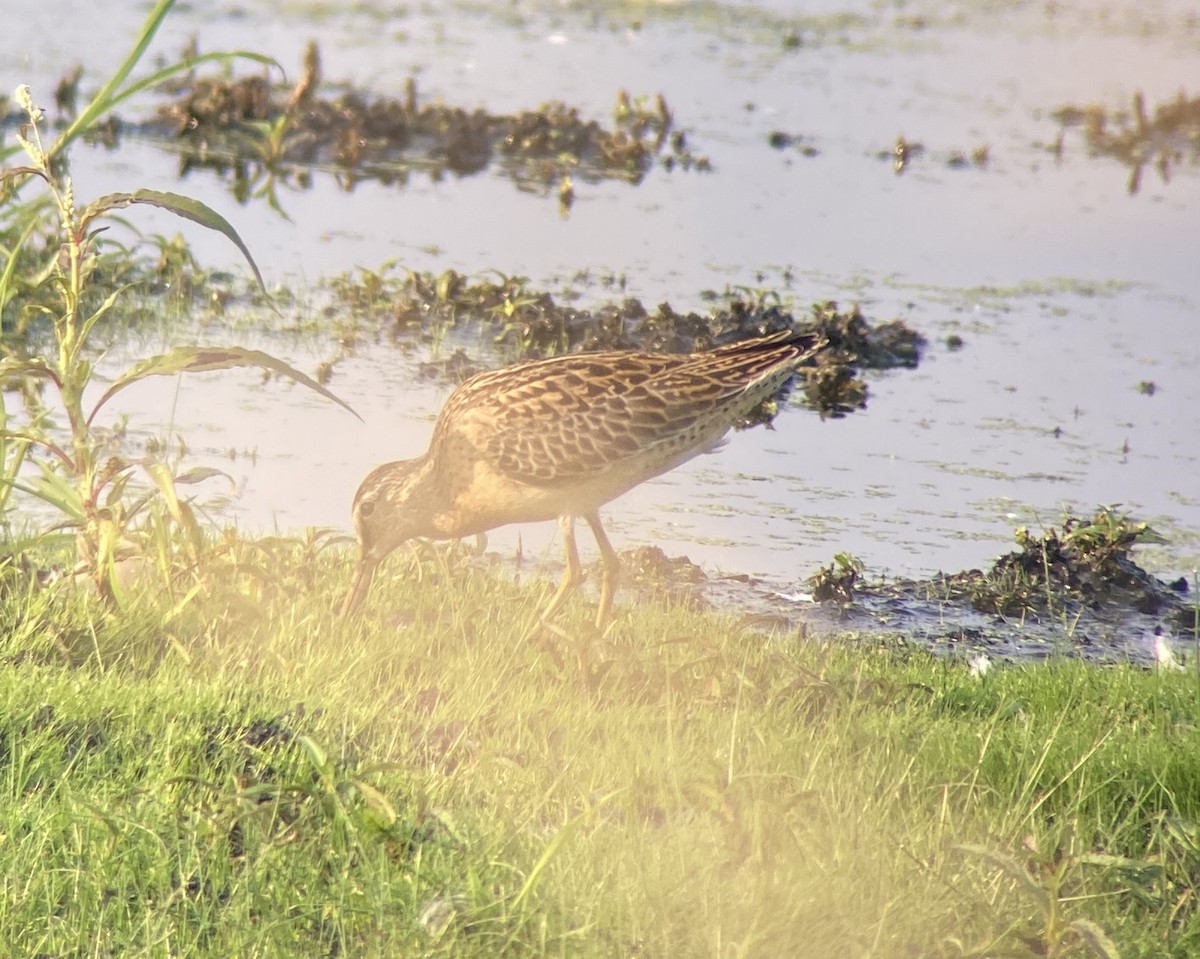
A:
(387, 512)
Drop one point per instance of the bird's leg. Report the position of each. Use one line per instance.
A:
(572, 575)
(612, 570)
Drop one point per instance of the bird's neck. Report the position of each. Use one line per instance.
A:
(432, 496)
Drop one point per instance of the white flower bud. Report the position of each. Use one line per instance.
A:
(24, 97)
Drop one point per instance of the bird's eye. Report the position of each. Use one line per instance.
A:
(366, 508)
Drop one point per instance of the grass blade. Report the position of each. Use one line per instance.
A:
(535, 874)
(167, 72)
(105, 99)
(53, 490)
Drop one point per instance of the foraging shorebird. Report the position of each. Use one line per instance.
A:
(559, 438)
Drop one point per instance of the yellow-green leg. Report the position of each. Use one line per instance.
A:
(611, 573)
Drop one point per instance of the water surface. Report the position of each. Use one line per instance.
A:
(1067, 290)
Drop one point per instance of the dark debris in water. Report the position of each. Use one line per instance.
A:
(904, 152)
(1134, 137)
(526, 324)
(782, 140)
(254, 131)
(901, 154)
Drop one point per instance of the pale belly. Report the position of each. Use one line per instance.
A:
(490, 499)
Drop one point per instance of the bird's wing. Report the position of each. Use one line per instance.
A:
(554, 421)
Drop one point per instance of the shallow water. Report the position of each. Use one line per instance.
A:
(1067, 291)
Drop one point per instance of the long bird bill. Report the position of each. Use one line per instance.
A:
(359, 587)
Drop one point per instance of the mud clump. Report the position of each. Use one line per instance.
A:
(674, 579)
(1087, 561)
(1073, 590)
(1085, 564)
(836, 582)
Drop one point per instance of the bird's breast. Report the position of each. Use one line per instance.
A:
(484, 498)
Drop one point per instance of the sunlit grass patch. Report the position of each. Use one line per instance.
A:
(429, 779)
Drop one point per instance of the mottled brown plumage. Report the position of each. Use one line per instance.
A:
(560, 438)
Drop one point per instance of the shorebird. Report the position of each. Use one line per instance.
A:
(559, 438)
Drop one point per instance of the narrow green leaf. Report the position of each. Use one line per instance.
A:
(179, 607)
(33, 366)
(107, 97)
(316, 755)
(1151, 536)
(94, 109)
(149, 29)
(30, 439)
(166, 486)
(186, 780)
(1110, 861)
(101, 310)
(7, 286)
(191, 527)
(539, 867)
(183, 206)
(180, 511)
(52, 489)
(135, 508)
(203, 359)
(108, 539)
(12, 458)
(198, 474)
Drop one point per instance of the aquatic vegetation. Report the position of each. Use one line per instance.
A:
(262, 134)
(525, 323)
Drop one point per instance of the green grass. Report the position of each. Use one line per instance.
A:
(233, 778)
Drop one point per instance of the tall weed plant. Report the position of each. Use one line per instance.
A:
(90, 490)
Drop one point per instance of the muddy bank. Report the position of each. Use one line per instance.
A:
(1074, 590)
